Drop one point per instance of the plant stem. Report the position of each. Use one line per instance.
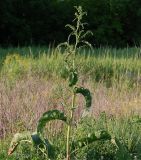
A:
(69, 126)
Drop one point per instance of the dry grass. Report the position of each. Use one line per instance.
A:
(23, 103)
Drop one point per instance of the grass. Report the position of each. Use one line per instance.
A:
(108, 65)
(29, 77)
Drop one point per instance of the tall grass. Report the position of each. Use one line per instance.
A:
(108, 65)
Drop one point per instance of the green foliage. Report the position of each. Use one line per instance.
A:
(49, 116)
(97, 136)
(40, 146)
(73, 77)
(72, 48)
(78, 34)
(110, 148)
(36, 139)
(103, 65)
(122, 152)
(86, 93)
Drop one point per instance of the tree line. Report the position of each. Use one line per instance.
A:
(30, 22)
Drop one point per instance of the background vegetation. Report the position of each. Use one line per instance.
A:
(31, 83)
(113, 22)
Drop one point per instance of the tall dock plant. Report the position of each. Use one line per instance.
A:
(78, 34)
(37, 138)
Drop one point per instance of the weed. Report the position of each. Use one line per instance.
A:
(37, 139)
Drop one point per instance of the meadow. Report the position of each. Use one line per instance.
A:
(32, 81)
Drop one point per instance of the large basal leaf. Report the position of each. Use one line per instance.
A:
(86, 93)
(49, 116)
(37, 141)
(97, 136)
(17, 139)
(51, 149)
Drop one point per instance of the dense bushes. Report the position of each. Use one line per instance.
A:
(114, 22)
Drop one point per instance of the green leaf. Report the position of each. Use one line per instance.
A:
(50, 149)
(64, 44)
(81, 33)
(49, 116)
(87, 43)
(86, 34)
(98, 136)
(37, 141)
(73, 77)
(86, 93)
(71, 27)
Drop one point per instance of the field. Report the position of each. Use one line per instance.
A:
(32, 81)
